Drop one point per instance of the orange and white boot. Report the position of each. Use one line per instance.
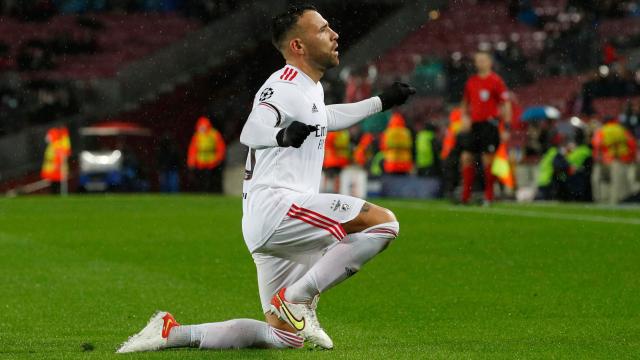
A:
(302, 317)
(153, 336)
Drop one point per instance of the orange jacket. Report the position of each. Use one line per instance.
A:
(207, 147)
(55, 155)
(363, 152)
(336, 150)
(397, 146)
(449, 141)
(613, 142)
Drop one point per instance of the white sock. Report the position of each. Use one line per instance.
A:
(342, 260)
(232, 334)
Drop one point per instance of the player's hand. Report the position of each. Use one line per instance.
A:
(294, 134)
(396, 94)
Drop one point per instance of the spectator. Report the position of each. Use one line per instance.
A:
(427, 151)
(553, 172)
(580, 168)
(614, 151)
(206, 154)
(397, 146)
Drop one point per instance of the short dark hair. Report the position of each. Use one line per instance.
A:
(281, 24)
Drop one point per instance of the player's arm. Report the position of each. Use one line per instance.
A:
(464, 108)
(262, 130)
(506, 111)
(342, 116)
(505, 102)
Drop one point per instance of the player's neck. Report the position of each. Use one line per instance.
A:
(484, 74)
(313, 73)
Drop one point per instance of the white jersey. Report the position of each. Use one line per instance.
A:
(274, 175)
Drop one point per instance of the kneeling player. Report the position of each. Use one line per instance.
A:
(302, 242)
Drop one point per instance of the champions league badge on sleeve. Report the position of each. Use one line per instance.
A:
(266, 94)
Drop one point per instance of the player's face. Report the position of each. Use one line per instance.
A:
(483, 62)
(320, 41)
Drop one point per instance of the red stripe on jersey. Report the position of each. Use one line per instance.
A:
(293, 76)
(326, 220)
(285, 73)
(316, 214)
(311, 220)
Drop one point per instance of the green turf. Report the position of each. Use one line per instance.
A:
(512, 281)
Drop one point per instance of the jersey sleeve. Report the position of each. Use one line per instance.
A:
(274, 109)
(260, 130)
(281, 98)
(342, 116)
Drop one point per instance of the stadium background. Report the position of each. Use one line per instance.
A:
(81, 273)
(163, 64)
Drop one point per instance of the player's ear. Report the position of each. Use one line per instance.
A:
(296, 46)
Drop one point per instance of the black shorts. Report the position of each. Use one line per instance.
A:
(484, 137)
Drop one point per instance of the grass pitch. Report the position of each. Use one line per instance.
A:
(79, 275)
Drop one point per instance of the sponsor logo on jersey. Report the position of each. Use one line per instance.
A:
(266, 94)
(321, 130)
(314, 109)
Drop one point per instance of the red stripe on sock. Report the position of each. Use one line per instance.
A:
(294, 341)
(382, 231)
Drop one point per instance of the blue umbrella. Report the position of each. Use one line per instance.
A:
(539, 113)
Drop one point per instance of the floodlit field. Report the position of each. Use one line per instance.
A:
(512, 281)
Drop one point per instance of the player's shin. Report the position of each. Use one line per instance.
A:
(342, 260)
(232, 334)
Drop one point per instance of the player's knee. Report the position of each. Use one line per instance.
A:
(386, 231)
(387, 216)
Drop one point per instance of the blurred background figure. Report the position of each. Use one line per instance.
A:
(614, 152)
(580, 161)
(397, 146)
(55, 168)
(169, 164)
(553, 172)
(426, 150)
(485, 103)
(206, 155)
(337, 153)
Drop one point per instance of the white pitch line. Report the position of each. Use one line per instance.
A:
(524, 213)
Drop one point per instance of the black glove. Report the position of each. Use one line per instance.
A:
(396, 94)
(294, 135)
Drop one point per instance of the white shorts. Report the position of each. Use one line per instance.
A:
(310, 228)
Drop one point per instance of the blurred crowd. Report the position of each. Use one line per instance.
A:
(42, 10)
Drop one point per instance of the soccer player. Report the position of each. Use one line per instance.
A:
(302, 242)
(485, 99)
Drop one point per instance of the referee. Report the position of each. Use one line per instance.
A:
(484, 103)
